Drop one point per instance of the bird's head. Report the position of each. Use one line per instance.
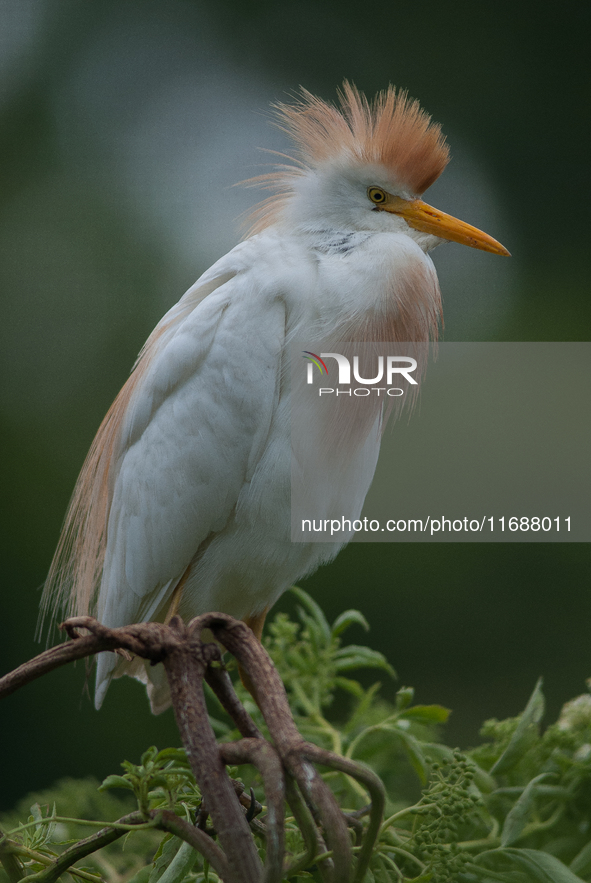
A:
(363, 166)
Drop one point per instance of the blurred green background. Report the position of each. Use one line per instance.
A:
(123, 126)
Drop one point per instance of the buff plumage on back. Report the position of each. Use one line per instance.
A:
(75, 572)
(392, 131)
(74, 578)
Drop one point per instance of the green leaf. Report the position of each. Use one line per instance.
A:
(541, 866)
(346, 619)
(363, 707)
(483, 780)
(427, 714)
(581, 864)
(166, 855)
(314, 609)
(36, 812)
(354, 656)
(161, 846)
(519, 741)
(115, 782)
(184, 771)
(181, 864)
(149, 755)
(415, 754)
(351, 686)
(142, 876)
(518, 815)
(177, 754)
(159, 781)
(404, 697)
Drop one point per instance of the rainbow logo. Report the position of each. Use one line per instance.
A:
(315, 360)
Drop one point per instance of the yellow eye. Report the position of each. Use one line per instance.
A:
(377, 195)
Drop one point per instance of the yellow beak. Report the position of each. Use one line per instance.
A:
(421, 216)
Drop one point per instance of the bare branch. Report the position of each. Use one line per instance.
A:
(187, 661)
(272, 700)
(9, 861)
(45, 662)
(376, 791)
(313, 840)
(196, 838)
(219, 681)
(263, 756)
(83, 848)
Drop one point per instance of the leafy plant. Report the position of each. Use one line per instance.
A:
(517, 808)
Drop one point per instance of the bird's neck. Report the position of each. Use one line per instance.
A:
(383, 287)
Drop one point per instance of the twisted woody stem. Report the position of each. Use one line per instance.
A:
(286, 766)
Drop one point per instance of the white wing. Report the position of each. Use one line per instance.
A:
(193, 433)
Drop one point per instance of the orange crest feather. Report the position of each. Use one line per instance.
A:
(392, 131)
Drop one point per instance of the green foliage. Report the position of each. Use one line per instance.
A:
(517, 808)
(162, 780)
(83, 810)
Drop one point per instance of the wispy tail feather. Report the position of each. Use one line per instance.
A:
(153, 677)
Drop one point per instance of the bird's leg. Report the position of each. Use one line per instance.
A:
(255, 623)
(175, 598)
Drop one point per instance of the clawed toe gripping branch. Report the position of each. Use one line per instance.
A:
(285, 764)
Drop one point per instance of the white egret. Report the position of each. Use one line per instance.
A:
(183, 503)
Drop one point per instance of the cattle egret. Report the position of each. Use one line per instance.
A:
(183, 503)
